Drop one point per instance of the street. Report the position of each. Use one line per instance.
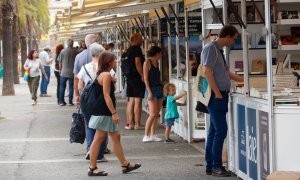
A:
(34, 144)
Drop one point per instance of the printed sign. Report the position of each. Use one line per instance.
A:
(194, 26)
(264, 144)
(242, 138)
(252, 139)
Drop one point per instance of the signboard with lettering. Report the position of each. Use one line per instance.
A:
(252, 139)
(264, 144)
(242, 138)
(194, 26)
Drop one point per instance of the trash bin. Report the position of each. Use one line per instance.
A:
(1, 70)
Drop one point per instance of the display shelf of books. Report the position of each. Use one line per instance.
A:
(289, 47)
(213, 26)
(252, 14)
(207, 5)
(287, 1)
(288, 21)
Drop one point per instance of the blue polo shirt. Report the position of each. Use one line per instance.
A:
(81, 59)
(211, 56)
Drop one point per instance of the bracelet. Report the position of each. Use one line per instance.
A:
(114, 113)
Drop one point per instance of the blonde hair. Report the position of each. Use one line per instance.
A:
(167, 88)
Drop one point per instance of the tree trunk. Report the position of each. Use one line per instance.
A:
(35, 44)
(23, 52)
(29, 24)
(0, 48)
(8, 83)
(15, 50)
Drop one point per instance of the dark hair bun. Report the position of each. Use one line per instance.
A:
(153, 51)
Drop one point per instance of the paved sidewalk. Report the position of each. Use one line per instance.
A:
(34, 144)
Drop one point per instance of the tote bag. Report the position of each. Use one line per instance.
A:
(26, 75)
(202, 90)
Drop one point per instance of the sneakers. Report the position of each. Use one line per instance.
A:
(147, 139)
(45, 95)
(62, 104)
(155, 138)
(208, 172)
(87, 157)
(70, 104)
(101, 160)
(169, 141)
(220, 172)
(107, 151)
(128, 127)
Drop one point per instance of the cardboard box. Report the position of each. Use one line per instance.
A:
(259, 66)
(284, 175)
(258, 82)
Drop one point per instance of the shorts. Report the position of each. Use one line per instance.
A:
(157, 92)
(135, 87)
(169, 122)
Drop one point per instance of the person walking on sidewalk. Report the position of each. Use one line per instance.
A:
(88, 73)
(217, 73)
(105, 118)
(155, 92)
(66, 65)
(46, 61)
(171, 110)
(135, 83)
(58, 49)
(34, 66)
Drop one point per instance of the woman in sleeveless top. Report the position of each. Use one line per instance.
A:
(106, 119)
(155, 92)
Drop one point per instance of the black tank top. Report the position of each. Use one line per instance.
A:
(154, 76)
(103, 109)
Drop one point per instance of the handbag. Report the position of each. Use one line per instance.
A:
(201, 90)
(26, 75)
(77, 132)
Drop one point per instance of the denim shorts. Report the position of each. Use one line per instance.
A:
(157, 92)
(169, 122)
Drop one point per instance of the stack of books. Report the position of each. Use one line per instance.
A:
(286, 101)
(283, 81)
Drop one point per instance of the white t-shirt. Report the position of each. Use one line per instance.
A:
(89, 67)
(34, 66)
(44, 57)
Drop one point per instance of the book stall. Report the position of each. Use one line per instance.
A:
(184, 48)
(263, 118)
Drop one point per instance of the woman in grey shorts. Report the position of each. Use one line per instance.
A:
(105, 118)
(155, 92)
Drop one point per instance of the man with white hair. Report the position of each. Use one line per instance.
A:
(88, 58)
(81, 59)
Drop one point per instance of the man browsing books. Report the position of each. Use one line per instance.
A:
(218, 76)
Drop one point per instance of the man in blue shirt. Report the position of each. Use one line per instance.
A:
(217, 73)
(81, 59)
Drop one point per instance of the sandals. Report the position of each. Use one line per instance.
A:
(128, 168)
(92, 173)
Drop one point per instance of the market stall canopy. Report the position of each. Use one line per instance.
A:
(92, 14)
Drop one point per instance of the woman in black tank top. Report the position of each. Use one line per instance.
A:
(155, 92)
(106, 119)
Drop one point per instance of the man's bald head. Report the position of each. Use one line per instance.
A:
(90, 39)
(136, 39)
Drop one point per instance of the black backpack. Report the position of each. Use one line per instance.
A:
(127, 64)
(77, 132)
(89, 96)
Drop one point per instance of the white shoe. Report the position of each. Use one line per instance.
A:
(155, 138)
(147, 139)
